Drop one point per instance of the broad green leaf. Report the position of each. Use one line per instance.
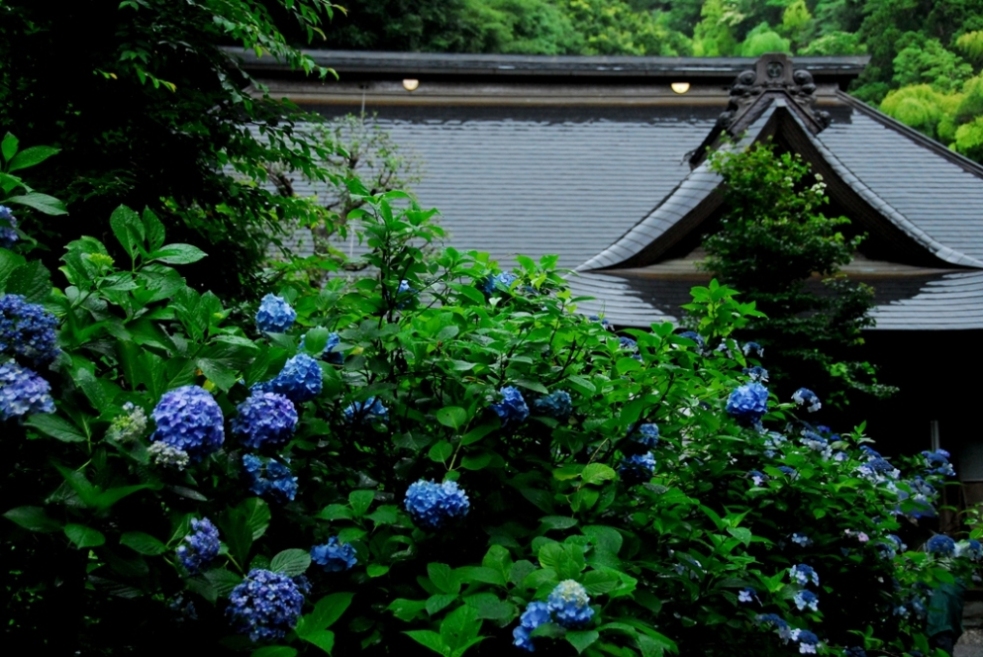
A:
(274, 651)
(467, 574)
(323, 639)
(178, 254)
(490, 607)
(558, 522)
(291, 562)
(9, 146)
(429, 639)
(582, 639)
(441, 451)
(743, 534)
(597, 473)
(535, 386)
(84, 537)
(361, 500)
(460, 627)
(56, 427)
(335, 512)
(31, 280)
(439, 602)
(257, 514)
(222, 580)
(128, 229)
(33, 518)
(443, 577)
(376, 570)
(153, 229)
(454, 417)
(143, 543)
(32, 156)
(327, 610)
(477, 433)
(406, 610)
(476, 461)
(582, 384)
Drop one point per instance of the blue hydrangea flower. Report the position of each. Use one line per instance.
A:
(334, 556)
(921, 497)
(758, 478)
(753, 348)
(774, 620)
(628, 344)
(200, 547)
(27, 331)
(801, 540)
(8, 224)
(807, 398)
(189, 419)
(646, 435)
(329, 350)
(942, 545)
(300, 380)
(868, 452)
(695, 337)
(512, 409)
(789, 471)
(266, 605)
(971, 549)
(756, 373)
(557, 405)
(570, 605)
(605, 324)
(806, 600)
(270, 479)
(536, 614)
(807, 641)
(803, 574)
(637, 468)
(937, 462)
(404, 288)
(266, 419)
(747, 595)
(748, 403)
(22, 392)
(496, 281)
(274, 315)
(432, 506)
(368, 411)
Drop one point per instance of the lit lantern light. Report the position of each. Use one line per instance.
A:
(410, 84)
(680, 87)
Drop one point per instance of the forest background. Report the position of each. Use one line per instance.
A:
(925, 66)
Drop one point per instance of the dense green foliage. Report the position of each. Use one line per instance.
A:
(773, 240)
(680, 552)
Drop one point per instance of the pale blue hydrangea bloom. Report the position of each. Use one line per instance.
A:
(570, 605)
(432, 506)
(300, 380)
(747, 595)
(647, 435)
(536, 614)
(637, 468)
(753, 348)
(368, 411)
(747, 403)
(557, 405)
(777, 622)
(8, 225)
(756, 373)
(806, 600)
(270, 479)
(971, 549)
(512, 409)
(200, 547)
(265, 420)
(628, 344)
(27, 331)
(937, 462)
(496, 281)
(189, 419)
(334, 556)
(757, 478)
(266, 605)
(942, 545)
(807, 398)
(789, 471)
(801, 540)
(23, 392)
(808, 642)
(274, 315)
(803, 574)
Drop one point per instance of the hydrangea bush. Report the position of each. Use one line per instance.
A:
(482, 471)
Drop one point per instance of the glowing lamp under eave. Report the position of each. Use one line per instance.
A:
(680, 87)
(410, 84)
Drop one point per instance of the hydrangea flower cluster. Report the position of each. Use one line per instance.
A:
(22, 392)
(270, 479)
(512, 409)
(921, 498)
(789, 471)
(937, 462)
(265, 420)
(878, 470)
(328, 352)
(605, 324)
(806, 599)
(803, 574)
(807, 398)
(494, 281)
(274, 315)
(27, 331)
(747, 403)
(746, 595)
(808, 642)
(266, 605)
(971, 549)
(570, 605)
(753, 349)
(801, 539)
(637, 468)
(128, 426)
(300, 380)
(777, 622)
(8, 225)
(368, 411)
(756, 373)
(432, 506)
(536, 614)
(942, 545)
(557, 405)
(628, 344)
(166, 456)
(646, 435)
(333, 556)
(190, 420)
(757, 478)
(816, 443)
(695, 337)
(200, 547)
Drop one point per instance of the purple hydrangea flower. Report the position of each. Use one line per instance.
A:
(748, 403)
(333, 556)
(807, 398)
(300, 380)
(8, 225)
(368, 411)
(266, 419)
(942, 545)
(637, 468)
(200, 547)
(189, 419)
(266, 605)
(274, 315)
(27, 331)
(570, 605)
(646, 435)
(23, 392)
(432, 506)
(536, 614)
(270, 479)
(512, 409)
(557, 405)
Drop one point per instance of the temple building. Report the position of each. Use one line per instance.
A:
(602, 161)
